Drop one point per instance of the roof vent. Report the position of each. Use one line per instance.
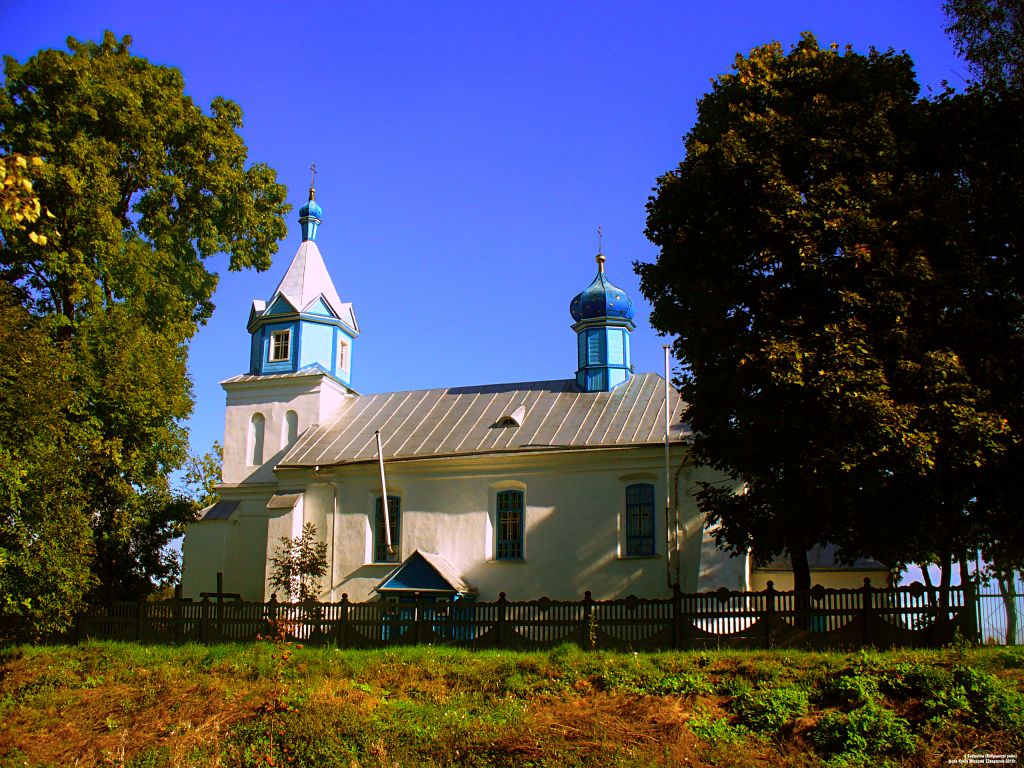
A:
(514, 419)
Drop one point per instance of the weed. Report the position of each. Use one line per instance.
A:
(151, 757)
(683, 684)
(991, 704)
(853, 687)
(1010, 658)
(870, 730)
(767, 710)
(714, 728)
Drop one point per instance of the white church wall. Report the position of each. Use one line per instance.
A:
(574, 527)
(574, 507)
(313, 398)
(236, 547)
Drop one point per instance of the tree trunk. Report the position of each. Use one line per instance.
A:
(802, 586)
(1005, 578)
(969, 585)
(930, 591)
(946, 580)
(801, 570)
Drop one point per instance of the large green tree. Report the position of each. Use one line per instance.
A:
(979, 139)
(144, 186)
(812, 319)
(45, 536)
(989, 34)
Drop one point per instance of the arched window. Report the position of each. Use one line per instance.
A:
(380, 545)
(510, 516)
(639, 519)
(256, 427)
(291, 429)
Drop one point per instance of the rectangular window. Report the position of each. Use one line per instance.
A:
(342, 356)
(280, 346)
(639, 519)
(380, 545)
(510, 525)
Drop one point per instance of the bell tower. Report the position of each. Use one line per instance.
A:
(300, 361)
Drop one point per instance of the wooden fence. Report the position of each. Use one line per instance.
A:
(819, 618)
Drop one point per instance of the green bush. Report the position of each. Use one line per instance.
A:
(991, 703)
(767, 710)
(869, 730)
(715, 729)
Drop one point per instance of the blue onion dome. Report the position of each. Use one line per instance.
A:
(601, 299)
(311, 209)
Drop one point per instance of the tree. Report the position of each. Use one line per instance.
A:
(45, 536)
(811, 321)
(144, 187)
(980, 136)
(299, 564)
(203, 475)
(19, 204)
(989, 34)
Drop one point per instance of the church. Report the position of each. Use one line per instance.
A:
(543, 488)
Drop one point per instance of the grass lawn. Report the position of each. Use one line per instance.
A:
(122, 704)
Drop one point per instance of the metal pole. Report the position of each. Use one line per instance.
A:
(384, 496)
(668, 476)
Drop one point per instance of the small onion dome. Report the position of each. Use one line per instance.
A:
(311, 210)
(601, 299)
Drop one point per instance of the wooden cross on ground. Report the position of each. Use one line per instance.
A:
(220, 594)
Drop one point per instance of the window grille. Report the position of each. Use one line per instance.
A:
(510, 525)
(380, 546)
(640, 519)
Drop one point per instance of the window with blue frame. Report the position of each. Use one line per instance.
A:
(380, 545)
(639, 519)
(510, 525)
(280, 346)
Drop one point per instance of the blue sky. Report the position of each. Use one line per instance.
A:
(467, 153)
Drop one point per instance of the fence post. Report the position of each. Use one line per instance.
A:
(866, 593)
(970, 621)
(342, 632)
(204, 617)
(140, 618)
(769, 615)
(677, 618)
(502, 616)
(177, 625)
(418, 622)
(588, 639)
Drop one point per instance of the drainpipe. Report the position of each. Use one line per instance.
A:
(675, 517)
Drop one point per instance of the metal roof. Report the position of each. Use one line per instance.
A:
(463, 420)
(310, 370)
(424, 572)
(284, 500)
(307, 279)
(221, 510)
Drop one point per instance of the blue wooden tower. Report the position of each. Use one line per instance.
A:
(604, 320)
(304, 324)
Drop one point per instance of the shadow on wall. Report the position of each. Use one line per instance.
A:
(564, 559)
